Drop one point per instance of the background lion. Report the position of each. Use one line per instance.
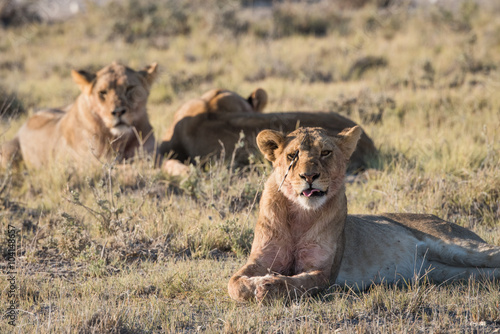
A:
(207, 126)
(211, 104)
(305, 241)
(107, 120)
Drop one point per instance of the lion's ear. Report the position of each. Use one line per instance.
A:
(258, 100)
(348, 139)
(269, 141)
(83, 79)
(149, 72)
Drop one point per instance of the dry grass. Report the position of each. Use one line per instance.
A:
(132, 250)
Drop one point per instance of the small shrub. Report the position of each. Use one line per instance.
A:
(10, 105)
(228, 19)
(104, 321)
(148, 20)
(18, 13)
(239, 238)
(362, 65)
(317, 20)
(74, 238)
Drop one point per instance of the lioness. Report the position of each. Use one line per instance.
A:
(196, 132)
(305, 241)
(213, 102)
(107, 120)
(209, 106)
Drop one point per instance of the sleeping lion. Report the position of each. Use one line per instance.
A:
(208, 107)
(305, 241)
(212, 126)
(108, 120)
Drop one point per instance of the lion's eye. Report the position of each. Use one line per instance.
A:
(129, 90)
(325, 153)
(102, 94)
(291, 156)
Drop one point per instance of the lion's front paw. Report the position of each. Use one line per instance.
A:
(269, 287)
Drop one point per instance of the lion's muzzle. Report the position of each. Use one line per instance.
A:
(309, 177)
(119, 111)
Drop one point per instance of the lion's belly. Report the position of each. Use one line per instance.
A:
(379, 251)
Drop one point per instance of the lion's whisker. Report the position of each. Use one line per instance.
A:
(295, 157)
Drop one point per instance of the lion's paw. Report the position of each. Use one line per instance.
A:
(269, 287)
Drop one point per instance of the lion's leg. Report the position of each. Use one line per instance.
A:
(10, 153)
(461, 261)
(175, 168)
(243, 284)
(463, 253)
(291, 286)
(440, 272)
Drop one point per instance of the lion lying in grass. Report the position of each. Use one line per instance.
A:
(202, 131)
(211, 104)
(305, 241)
(107, 120)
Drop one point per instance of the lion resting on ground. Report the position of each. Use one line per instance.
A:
(107, 120)
(200, 131)
(211, 104)
(305, 241)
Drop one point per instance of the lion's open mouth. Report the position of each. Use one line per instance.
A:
(313, 192)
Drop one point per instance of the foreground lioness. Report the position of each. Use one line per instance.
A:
(305, 241)
(107, 120)
(196, 132)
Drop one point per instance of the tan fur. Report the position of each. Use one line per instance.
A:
(304, 243)
(175, 167)
(199, 131)
(221, 100)
(107, 120)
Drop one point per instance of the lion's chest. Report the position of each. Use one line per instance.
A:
(310, 257)
(311, 247)
(300, 256)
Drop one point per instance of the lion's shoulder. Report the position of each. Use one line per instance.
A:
(44, 117)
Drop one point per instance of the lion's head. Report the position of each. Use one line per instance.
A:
(309, 164)
(222, 100)
(117, 95)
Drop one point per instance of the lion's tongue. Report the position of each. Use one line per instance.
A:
(309, 192)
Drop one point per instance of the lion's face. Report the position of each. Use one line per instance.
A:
(318, 162)
(117, 95)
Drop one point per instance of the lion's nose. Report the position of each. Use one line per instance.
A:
(309, 177)
(118, 111)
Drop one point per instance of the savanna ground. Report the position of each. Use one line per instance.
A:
(138, 251)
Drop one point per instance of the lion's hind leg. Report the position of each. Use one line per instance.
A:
(439, 272)
(462, 259)
(463, 253)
